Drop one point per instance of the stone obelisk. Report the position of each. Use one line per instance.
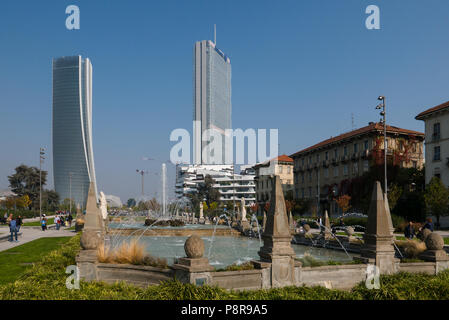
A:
(277, 249)
(378, 247)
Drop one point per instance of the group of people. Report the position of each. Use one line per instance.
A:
(61, 219)
(14, 224)
(410, 232)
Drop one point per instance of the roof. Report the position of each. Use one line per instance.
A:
(432, 110)
(372, 127)
(281, 158)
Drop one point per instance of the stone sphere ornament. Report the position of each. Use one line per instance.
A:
(306, 228)
(425, 233)
(349, 231)
(90, 239)
(194, 247)
(434, 241)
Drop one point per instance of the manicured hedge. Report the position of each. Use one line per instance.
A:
(46, 280)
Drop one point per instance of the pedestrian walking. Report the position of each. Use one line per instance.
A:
(44, 223)
(13, 230)
(69, 219)
(18, 223)
(57, 222)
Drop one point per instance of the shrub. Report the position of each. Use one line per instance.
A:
(411, 248)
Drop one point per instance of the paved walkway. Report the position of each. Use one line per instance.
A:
(30, 234)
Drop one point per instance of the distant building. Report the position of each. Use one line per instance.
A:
(73, 159)
(436, 121)
(232, 187)
(283, 167)
(113, 201)
(321, 170)
(212, 95)
(6, 193)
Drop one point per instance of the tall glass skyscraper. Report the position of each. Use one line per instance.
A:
(212, 97)
(73, 159)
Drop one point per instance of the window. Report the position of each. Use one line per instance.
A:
(415, 164)
(336, 153)
(302, 160)
(345, 151)
(436, 154)
(355, 168)
(326, 155)
(302, 193)
(318, 158)
(310, 176)
(365, 145)
(365, 166)
(436, 132)
(326, 172)
(302, 177)
(289, 169)
(280, 169)
(335, 171)
(345, 169)
(356, 149)
(310, 191)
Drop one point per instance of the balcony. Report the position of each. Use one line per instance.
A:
(344, 158)
(355, 156)
(365, 154)
(334, 161)
(326, 163)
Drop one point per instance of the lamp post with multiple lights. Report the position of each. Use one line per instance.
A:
(142, 173)
(41, 161)
(383, 113)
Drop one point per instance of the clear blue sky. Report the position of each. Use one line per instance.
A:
(300, 66)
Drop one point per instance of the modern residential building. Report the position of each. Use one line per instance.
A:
(436, 121)
(232, 187)
(281, 166)
(73, 159)
(321, 172)
(212, 97)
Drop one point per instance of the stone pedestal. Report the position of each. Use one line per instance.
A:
(277, 251)
(327, 227)
(435, 251)
(194, 268)
(378, 247)
(86, 262)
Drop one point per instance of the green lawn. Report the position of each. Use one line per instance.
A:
(38, 223)
(15, 261)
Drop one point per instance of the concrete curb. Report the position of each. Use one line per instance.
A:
(6, 237)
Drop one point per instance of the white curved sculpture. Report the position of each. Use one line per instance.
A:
(103, 205)
(243, 209)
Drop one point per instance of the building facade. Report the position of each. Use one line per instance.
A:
(232, 187)
(436, 122)
(281, 166)
(73, 159)
(212, 98)
(320, 170)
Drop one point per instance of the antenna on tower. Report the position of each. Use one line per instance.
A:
(215, 34)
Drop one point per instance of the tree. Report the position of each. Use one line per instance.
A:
(343, 202)
(25, 181)
(65, 205)
(23, 202)
(50, 200)
(207, 191)
(131, 202)
(436, 197)
(394, 193)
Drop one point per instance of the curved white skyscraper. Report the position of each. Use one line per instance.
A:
(73, 159)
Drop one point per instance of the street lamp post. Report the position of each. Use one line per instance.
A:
(383, 113)
(41, 160)
(70, 192)
(142, 172)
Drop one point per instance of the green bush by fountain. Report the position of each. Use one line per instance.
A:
(164, 223)
(46, 279)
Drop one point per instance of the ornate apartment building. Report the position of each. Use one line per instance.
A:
(281, 166)
(436, 121)
(319, 170)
